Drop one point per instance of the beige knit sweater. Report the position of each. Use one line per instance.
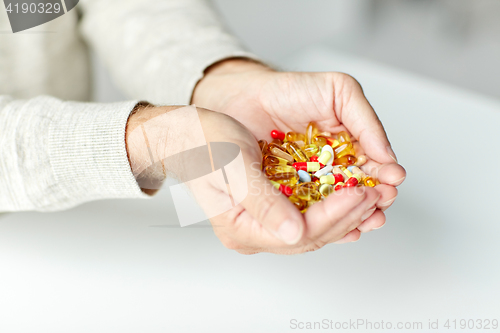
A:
(56, 149)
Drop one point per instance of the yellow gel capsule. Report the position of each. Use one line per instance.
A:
(328, 179)
(344, 149)
(274, 169)
(310, 185)
(298, 202)
(310, 150)
(320, 141)
(273, 160)
(326, 189)
(277, 142)
(345, 160)
(263, 146)
(285, 178)
(296, 152)
(344, 137)
(279, 151)
(294, 136)
(368, 181)
(311, 132)
(306, 193)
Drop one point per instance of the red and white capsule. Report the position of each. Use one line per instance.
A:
(286, 190)
(308, 166)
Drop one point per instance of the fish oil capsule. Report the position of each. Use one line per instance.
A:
(326, 189)
(313, 158)
(345, 160)
(304, 176)
(277, 142)
(343, 137)
(298, 202)
(310, 150)
(273, 160)
(311, 185)
(279, 151)
(339, 186)
(295, 152)
(308, 166)
(361, 160)
(275, 134)
(345, 148)
(307, 193)
(263, 146)
(319, 141)
(286, 190)
(294, 136)
(274, 169)
(285, 178)
(311, 131)
(368, 181)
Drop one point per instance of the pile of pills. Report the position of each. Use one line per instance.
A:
(309, 167)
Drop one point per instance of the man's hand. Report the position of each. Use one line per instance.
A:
(263, 100)
(265, 221)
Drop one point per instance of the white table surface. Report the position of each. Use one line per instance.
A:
(105, 267)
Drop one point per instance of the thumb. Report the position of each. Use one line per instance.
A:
(271, 208)
(361, 120)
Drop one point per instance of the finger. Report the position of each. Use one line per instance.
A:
(390, 174)
(356, 113)
(242, 231)
(376, 221)
(339, 213)
(388, 195)
(352, 236)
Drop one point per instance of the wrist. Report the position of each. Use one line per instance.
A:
(149, 178)
(224, 80)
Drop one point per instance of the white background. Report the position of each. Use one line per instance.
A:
(125, 266)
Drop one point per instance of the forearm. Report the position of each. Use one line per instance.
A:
(58, 154)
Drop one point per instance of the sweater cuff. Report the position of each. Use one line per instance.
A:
(88, 155)
(67, 153)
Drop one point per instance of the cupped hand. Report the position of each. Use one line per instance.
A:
(265, 220)
(263, 99)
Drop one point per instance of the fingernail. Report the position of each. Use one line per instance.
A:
(368, 214)
(397, 182)
(387, 203)
(378, 227)
(391, 153)
(290, 231)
